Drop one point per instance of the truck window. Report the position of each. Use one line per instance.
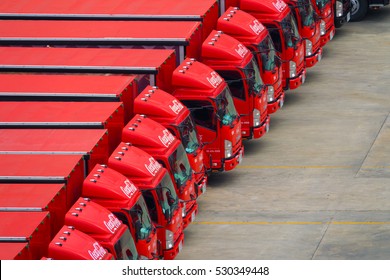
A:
(148, 196)
(202, 112)
(235, 82)
(275, 35)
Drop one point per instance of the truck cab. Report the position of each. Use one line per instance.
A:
(237, 66)
(72, 244)
(309, 28)
(155, 139)
(277, 17)
(253, 35)
(102, 225)
(120, 196)
(324, 9)
(158, 191)
(209, 99)
(167, 110)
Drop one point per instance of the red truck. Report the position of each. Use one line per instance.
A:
(205, 11)
(226, 55)
(36, 198)
(324, 9)
(46, 169)
(72, 244)
(158, 191)
(277, 17)
(30, 227)
(66, 87)
(342, 11)
(208, 97)
(91, 144)
(156, 140)
(119, 195)
(65, 115)
(103, 226)
(15, 251)
(253, 35)
(171, 113)
(309, 28)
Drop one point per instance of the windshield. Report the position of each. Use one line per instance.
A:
(125, 247)
(189, 135)
(290, 31)
(180, 166)
(167, 197)
(307, 13)
(140, 215)
(252, 74)
(226, 111)
(268, 54)
(322, 3)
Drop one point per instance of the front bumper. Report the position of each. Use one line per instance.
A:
(190, 216)
(297, 81)
(339, 21)
(231, 163)
(310, 61)
(201, 186)
(172, 253)
(261, 130)
(328, 36)
(277, 104)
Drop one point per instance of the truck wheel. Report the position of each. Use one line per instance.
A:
(359, 9)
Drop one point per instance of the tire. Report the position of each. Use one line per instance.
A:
(359, 9)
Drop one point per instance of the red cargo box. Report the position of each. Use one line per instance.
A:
(22, 227)
(44, 169)
(80, 115)
(66, 87)
(91, 144)
(36, 198)
(15, 251)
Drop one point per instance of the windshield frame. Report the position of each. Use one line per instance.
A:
(290, 31)
(190, 140)
(225, 109)
(175, 160)
(306, 11)
(167, 206)
(120, 250)
(267, 52)
(253, 78)
(140, 212)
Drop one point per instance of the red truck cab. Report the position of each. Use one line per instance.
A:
(171, 113)
(102, 225)
(120, 196)
(237, 66)
(72, 244)
(309, 28)
(324, 9)
(252, 34)
(277, 17)
(156, 140)
(209, 99)
(158, 191)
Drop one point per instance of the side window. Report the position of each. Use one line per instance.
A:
(274, 32)
(148, 196)
(202, 112)
(235, 82)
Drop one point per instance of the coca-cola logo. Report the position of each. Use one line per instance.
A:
(214, 79)
(128, 189)
(256, 27)
(241, 50)
(167, 138)
(279, 5)
(153, 167)
(176, 106)
(98, 252)
(113, 223)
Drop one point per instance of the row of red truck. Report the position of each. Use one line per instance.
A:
(114, 113)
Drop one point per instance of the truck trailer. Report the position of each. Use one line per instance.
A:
(15, 251)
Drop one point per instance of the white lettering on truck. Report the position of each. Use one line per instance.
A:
(176, 106)
(153, 167)
(128, 189)
(112, 224)
(167, 138)
(241, 50)
(98, 252)
(214, 79)
(256, 27)
(279, 5)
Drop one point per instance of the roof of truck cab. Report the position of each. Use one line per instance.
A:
(188, 9)
(91, 59)
(63, 84)
(125, 32)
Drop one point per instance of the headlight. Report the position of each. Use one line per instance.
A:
(169, 239)
(228, 149)
(322, 28)
(183, 210)
(339, 9)
(293, 69)
(256, 117)
(270, 94)
(309, 47)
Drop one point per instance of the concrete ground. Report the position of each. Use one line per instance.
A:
(318, 185)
